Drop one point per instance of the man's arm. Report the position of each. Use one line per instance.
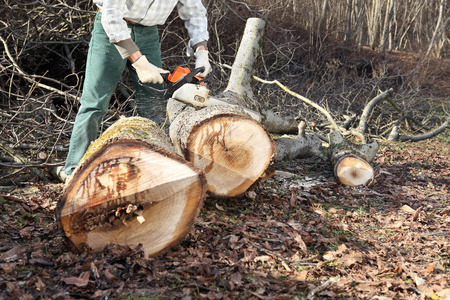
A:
(193, 13)
(135, 56)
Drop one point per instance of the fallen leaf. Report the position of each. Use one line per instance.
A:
(429, 269)
(396, 224)
(26, 232)
(332, 255)
(81, 281)
(220, 207)
(445, 294)
(293, 200)
(301, 243)
(235, 280)
(294, 224)
(262, 258)
(8, 268)
(39, 284)
(301, 276)
(101, 294)
(351, 258)
(417, 213)
(14, 254)
(417, 279)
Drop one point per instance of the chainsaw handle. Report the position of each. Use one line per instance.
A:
(209, 76)
(165, 77)
(194, 72)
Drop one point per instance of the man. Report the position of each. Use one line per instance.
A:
(125, 34)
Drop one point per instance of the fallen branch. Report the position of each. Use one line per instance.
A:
(395, 135)
(404, 115)
(23, 161)
(297, 146)
(368, 110)
(351, 162)
(304, 99)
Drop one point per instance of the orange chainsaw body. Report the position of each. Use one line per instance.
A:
(179, 73)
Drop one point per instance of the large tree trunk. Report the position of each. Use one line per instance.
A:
(239, 89)
(129, 189)
(232, 149)
(226, 142)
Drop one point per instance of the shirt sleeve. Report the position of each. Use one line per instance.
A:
(112, 20)
(194, 15)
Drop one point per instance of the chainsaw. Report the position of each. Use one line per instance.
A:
(194, 91)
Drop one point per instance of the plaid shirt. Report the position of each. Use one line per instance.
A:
(152, 12)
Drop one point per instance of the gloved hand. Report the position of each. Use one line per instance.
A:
(201, 60)
(148, 72)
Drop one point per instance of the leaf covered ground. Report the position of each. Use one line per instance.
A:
(297, 235)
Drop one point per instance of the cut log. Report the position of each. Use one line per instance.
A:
(231, 148)
(131, 188)
(351, 163)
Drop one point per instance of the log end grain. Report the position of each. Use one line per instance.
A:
(233, 151)
(129, 193)
(353, 171)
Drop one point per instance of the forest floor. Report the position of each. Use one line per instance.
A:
(297, 235)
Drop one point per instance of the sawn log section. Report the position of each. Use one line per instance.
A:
(232, 149)
(130, 189)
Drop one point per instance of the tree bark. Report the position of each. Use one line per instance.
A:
(232, 149)
(368, 110)
(323, 13)
(348, 31)
(239, 89)
(129, 189)
(436, 30)
(297, 146)
(387, 24)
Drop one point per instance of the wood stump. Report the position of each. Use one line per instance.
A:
(129, 189)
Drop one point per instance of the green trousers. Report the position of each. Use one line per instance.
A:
(104, 68)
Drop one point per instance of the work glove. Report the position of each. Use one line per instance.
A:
(148, 72)
(201, 60)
